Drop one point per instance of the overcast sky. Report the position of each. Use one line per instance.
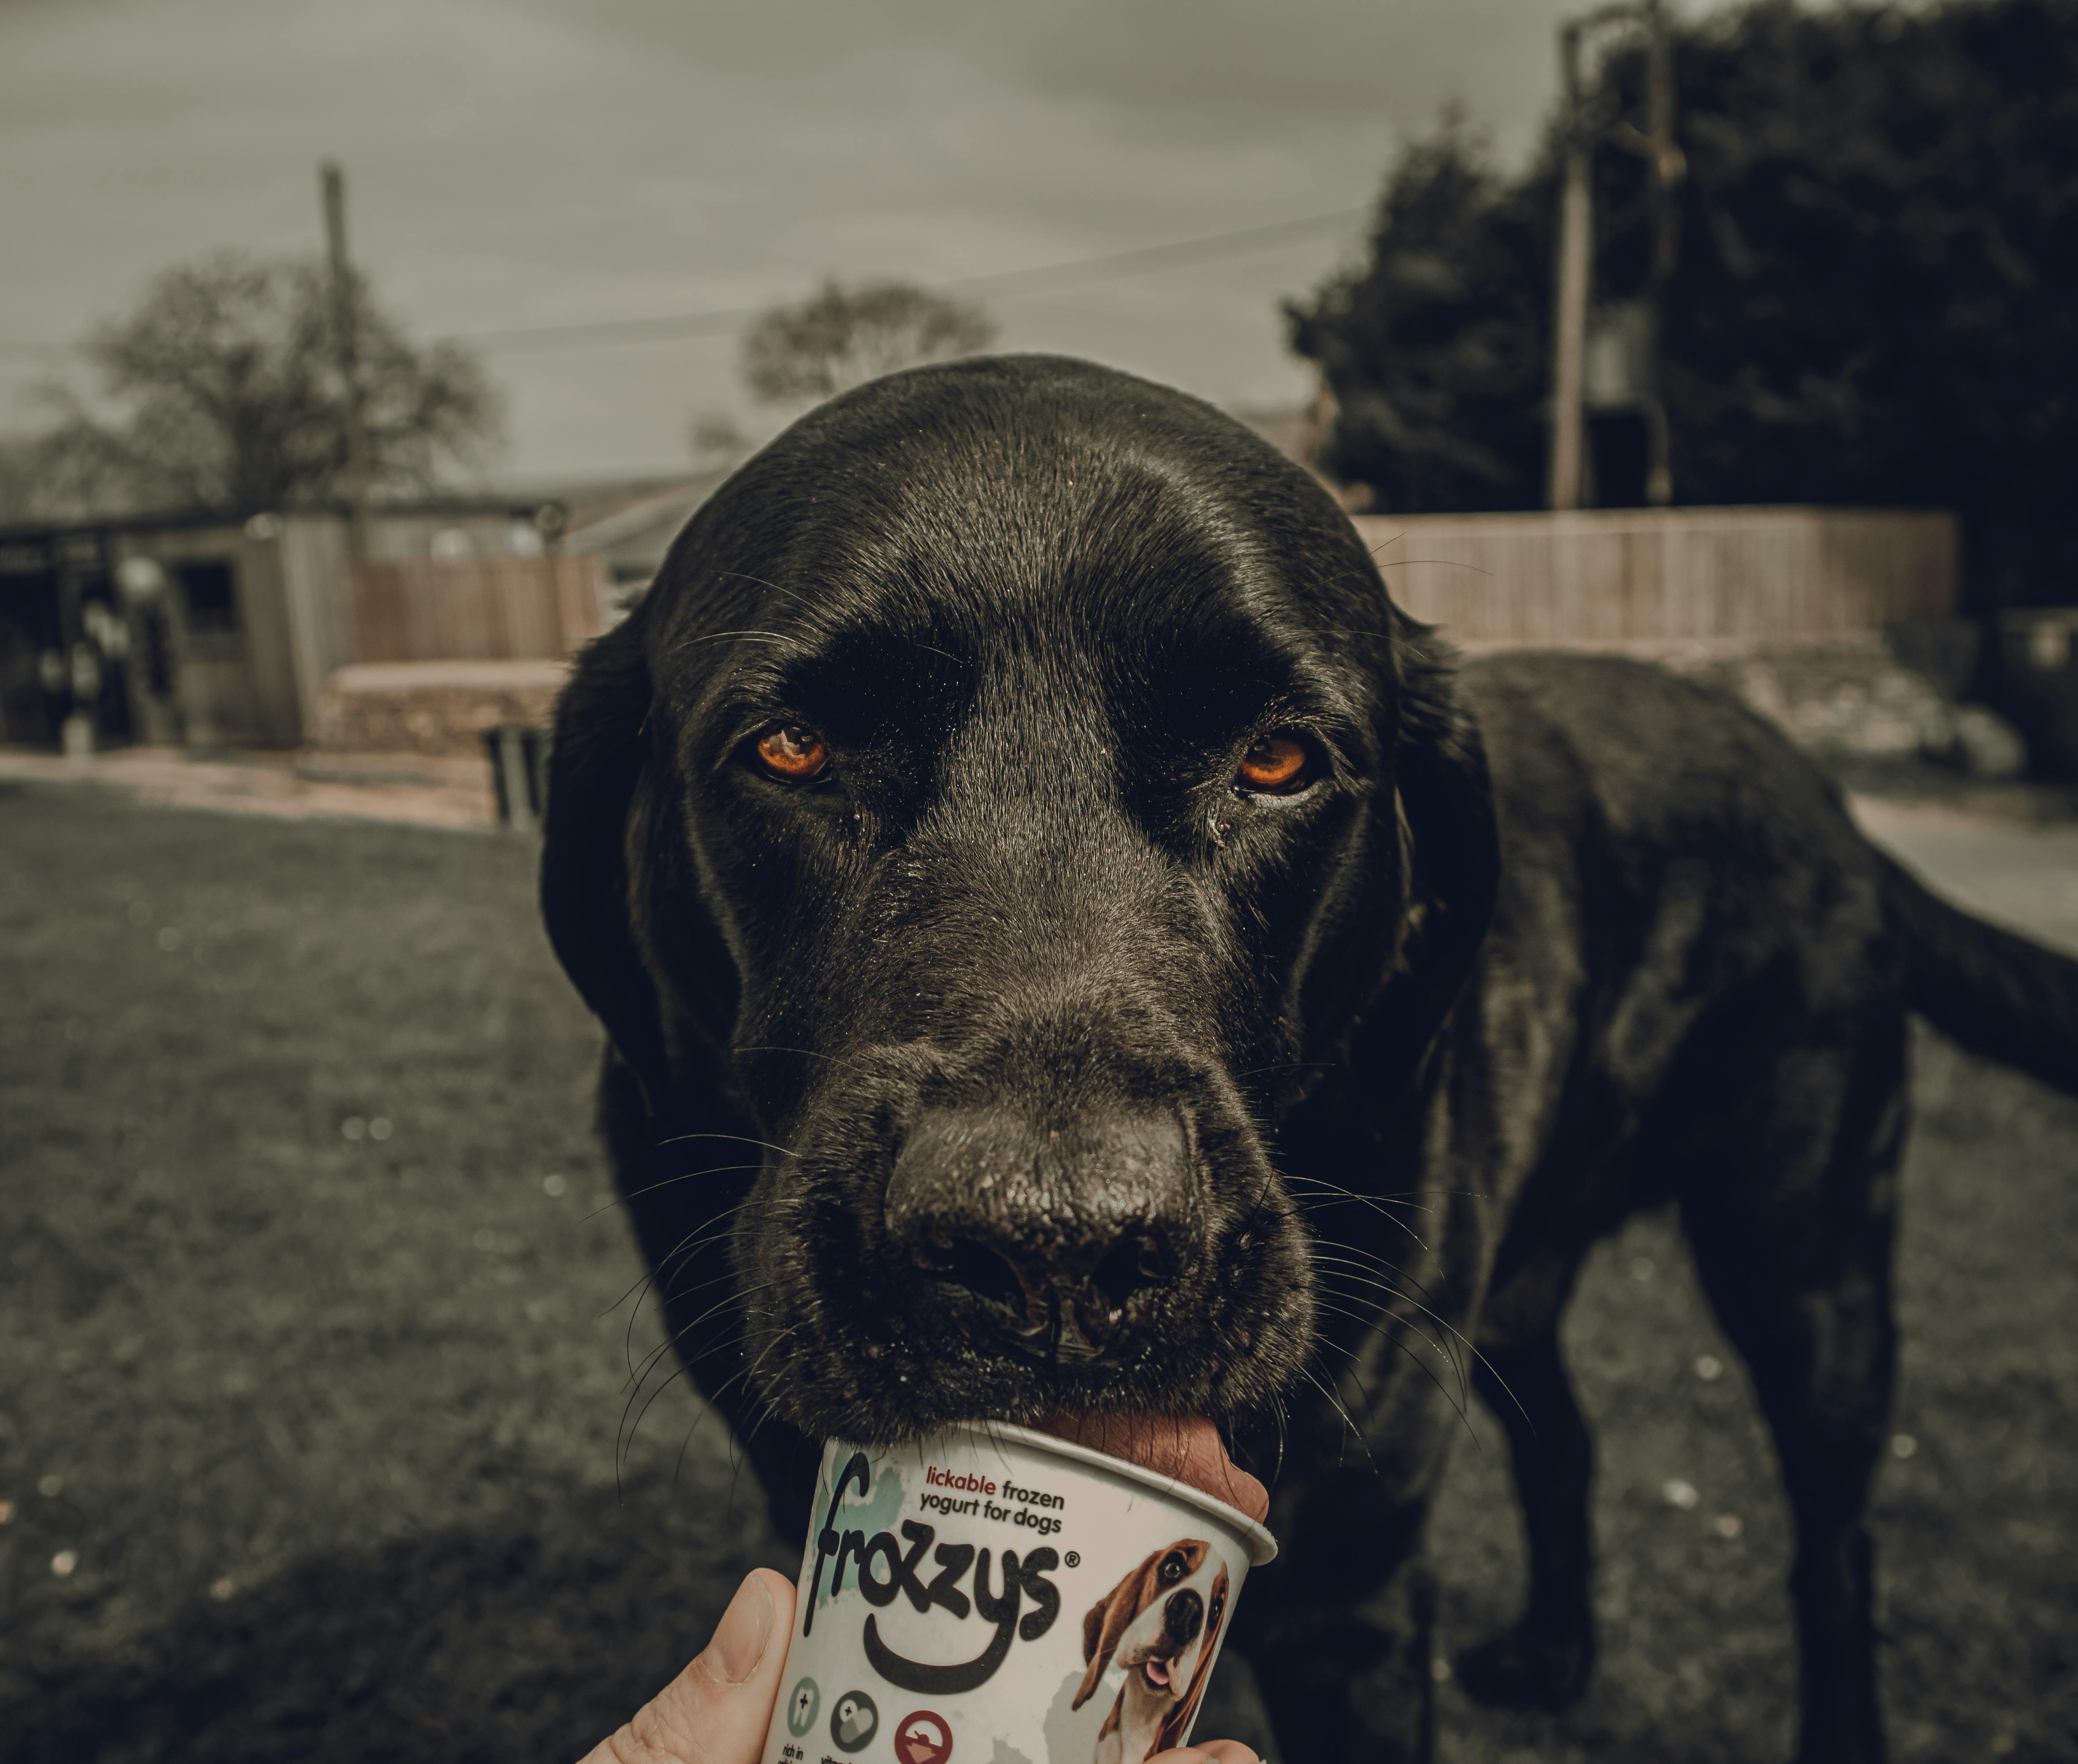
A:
(521, 162)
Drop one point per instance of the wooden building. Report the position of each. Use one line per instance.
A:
(205, 632)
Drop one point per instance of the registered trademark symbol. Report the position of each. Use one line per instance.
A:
(1074, 1558)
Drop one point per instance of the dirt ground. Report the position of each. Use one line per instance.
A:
(315, 1432)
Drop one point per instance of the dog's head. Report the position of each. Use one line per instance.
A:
(1162, 1624)
(1016, 789)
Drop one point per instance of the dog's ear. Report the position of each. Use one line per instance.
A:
(1107, 1620)
(588, 893)
(1178, 1722)
(1450, 855)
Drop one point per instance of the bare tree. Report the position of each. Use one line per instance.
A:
(62, 473)
(218, 391)
(718, 443)
(842, 337)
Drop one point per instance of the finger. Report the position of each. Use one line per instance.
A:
(717, 1710)
(1211, 1752)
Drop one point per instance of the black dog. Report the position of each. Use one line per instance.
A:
(1040, 892)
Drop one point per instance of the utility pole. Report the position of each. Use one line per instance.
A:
(346, 346)
(1667, 172)
(1569, 326)
(1634, 326)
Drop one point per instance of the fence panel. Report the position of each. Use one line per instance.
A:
(1621, 578)
(1733, 577)
(478, 609)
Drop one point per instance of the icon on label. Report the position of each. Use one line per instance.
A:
(805, 1699)
(853, 1721)
(923, 1738)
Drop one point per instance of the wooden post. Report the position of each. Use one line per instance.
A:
(1569, 323)
(1667, 172)
(347, 347)
(518, 783)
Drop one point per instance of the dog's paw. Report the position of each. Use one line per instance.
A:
(1526, 1670)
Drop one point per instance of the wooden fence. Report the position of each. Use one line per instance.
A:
(1621, 578)
(479, 609)
(1646, 579)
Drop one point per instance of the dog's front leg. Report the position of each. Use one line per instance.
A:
(1340, 1630)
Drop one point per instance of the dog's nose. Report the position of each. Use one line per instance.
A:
(1054, 1230)
(1182, 1617)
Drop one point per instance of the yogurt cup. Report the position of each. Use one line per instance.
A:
(994, 1596)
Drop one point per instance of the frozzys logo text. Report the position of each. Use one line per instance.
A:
(886, 1569)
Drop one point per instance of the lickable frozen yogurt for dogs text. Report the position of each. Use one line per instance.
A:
(1003, 1596)
(1019, 1505)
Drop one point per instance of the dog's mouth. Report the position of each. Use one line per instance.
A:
(1157, 1674)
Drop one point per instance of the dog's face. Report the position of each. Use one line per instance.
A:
(1002, 798)
(1162, 1624)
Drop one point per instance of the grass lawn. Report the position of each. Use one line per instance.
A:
(313, 1358)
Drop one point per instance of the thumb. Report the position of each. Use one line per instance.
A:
(717, 1710)
(1211, 1752)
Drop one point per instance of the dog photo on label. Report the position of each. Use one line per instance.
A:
(1162, 1625)
(1070, 945)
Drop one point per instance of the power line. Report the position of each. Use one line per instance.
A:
(582, 330)
(1183, 251)
(1045, 278)
(1040, 279)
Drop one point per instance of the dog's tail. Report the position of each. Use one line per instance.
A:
(1996, 992)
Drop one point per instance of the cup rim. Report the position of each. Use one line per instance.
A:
(1262, 1545)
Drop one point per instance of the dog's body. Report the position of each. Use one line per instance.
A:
(1161, 1623)
(1085, 1069)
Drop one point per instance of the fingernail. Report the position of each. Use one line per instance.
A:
(740, 1638)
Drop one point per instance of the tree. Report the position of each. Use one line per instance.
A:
(1873, 302)
(718, 442)
(842, 337)
(62, 474)
(1434, 348)
(219, 391)
(1879, 265)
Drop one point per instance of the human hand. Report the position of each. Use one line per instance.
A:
(717, 1710)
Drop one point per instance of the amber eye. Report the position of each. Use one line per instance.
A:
(1276, 765)
(792, 752)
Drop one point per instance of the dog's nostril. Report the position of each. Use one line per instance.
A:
(962, 1261)
(1133, 1262)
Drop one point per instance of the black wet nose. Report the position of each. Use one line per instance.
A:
(1055, 1230)
(1182, 1617)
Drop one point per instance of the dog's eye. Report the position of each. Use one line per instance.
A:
(1276, 765)
(1172, 1568)
(792, 752)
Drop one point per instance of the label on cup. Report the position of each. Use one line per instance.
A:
(994, 1595)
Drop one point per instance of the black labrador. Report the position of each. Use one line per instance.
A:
(1068, 942)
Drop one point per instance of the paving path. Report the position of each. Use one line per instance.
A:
(2022, 874)
(408, 787)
